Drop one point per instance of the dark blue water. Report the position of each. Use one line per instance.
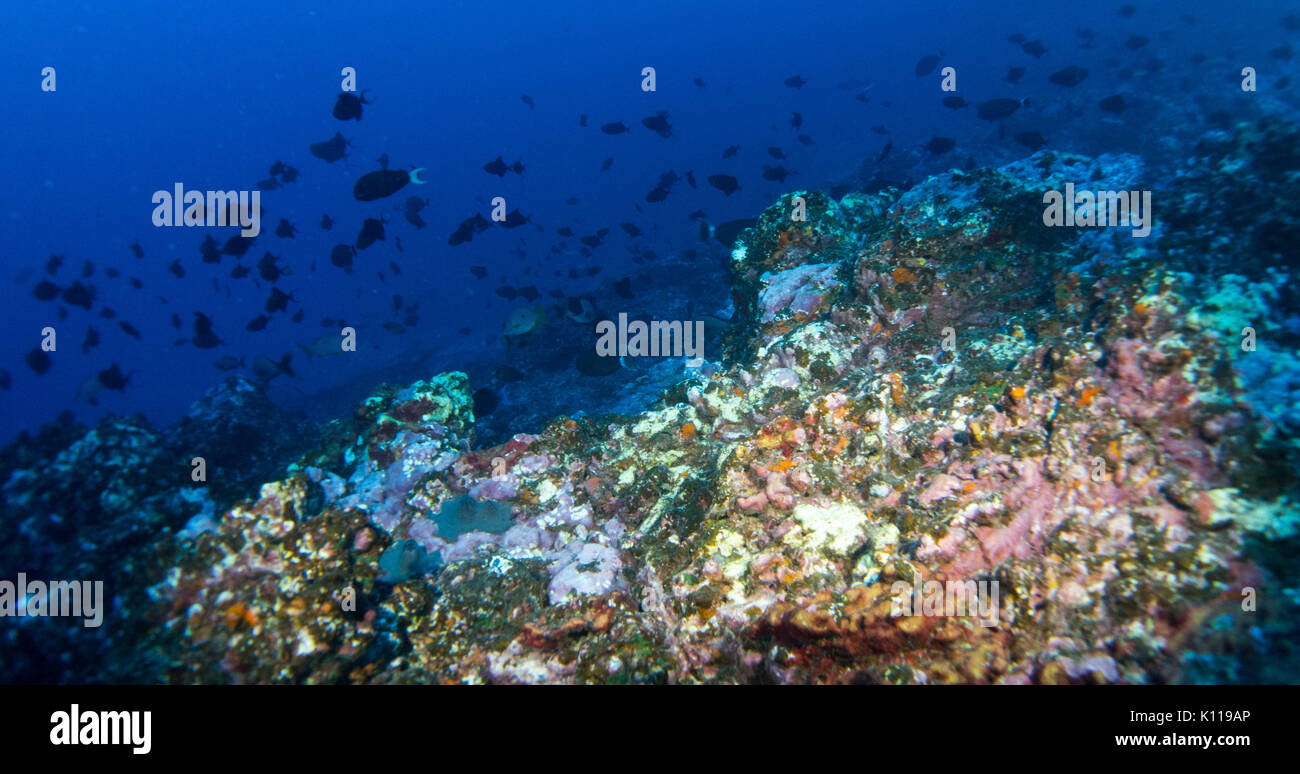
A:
(149, 95)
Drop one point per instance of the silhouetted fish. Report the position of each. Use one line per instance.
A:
(1113, 104)
(725, 183)
(348, 106)
(499, 168)
(78, 294)
(342, 255)
(956, 103)
(284, 229)
(658, 123)
(129, 329)
(527, 100)
(137, 249)
(1031, 140)
(326, 222)
(776, 174)
(617, 127)
(1070, 76)
(330, 150)
(45, 291)
(372, 230)
(926, 64)
(607, 163)
(1014, 75)
(996, 109)
(38, 360)
(631, 229)
(91, 340)
(384, 182)
(730, 151)
(795, 82)
(939, 145)
(1034, 48)
(203, 337)
(257, 323)
(112, 378)
(278, 301)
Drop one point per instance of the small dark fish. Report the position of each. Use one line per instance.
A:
(342, 255)
(203, 337)
(996, 109)
(384, 182)
(514, 219)
(1031, 140)
(690, 178)
(1291, 22)
(1136, 42)
(880, 129)
(607, 163)
(267, 268)
(87, 269)
(136, 283)
(289, 175)
(889, 146)
(796, 120)
(730, 151)
(137, 249)
(237, 245)
(111, 272)
(956, 103)
(91, 341)
(926, 64)
(564, 231)
(326, 222)
(479, 272)
(112, 378)
(776, 174)
(78, 294)
(1127, 10)
(527, 100)
(1070, 77)
(278, 301)
(499, 167)
(623, 287)
(775, 152)
(285, 230)
(298, 315)
(485, 401)
(1016, 37)
(1283, 52)
(45, 291)
(1014, 75)
(572, 200)
(53, 263)
(108, 313)
(698, 215)
(257, 323)
(505, 373)
(348, 106)
(658, 123)
(795, 82)
(1112, 104)
(239, 272)
(6, 381)
(372, 230)
(631, 229)
(129, 329)
(699, 82)
(38, 360)
(228, 363)
(1034, 48)
(330, 150)
(528, 293)
(938, 145)
(582, 120)
(724, 183)
(617, 127)
(176, 320)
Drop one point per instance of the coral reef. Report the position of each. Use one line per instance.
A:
(926, 389)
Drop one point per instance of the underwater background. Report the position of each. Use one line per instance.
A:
(382, 441)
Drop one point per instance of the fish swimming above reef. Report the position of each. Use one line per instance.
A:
(385, 182)
(938, 145)
(372, 230)
(499, 168)
(724, 183)
(348, 106)
(330, 150)
(1070, 77)
(1014, 75)
(658, 123)
(996, 109)
(926, 64)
